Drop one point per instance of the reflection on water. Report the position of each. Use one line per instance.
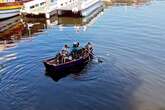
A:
(130, 41)
(17, 28)
(14, 29)
(70, 21)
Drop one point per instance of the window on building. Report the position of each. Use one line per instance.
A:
(42, 3)
(31, 7)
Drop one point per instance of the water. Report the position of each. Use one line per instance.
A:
(129, 40)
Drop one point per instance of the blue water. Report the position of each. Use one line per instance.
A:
(129, 40)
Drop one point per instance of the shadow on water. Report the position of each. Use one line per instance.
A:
(117, 86)
(112, 89)
(108, 87)
(57, 76)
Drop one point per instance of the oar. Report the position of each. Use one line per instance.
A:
(98, 58)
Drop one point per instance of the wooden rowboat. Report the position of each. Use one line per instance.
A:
(69, 66)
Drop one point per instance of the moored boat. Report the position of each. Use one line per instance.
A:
(84, 58)
(9, 9)
(76, 8)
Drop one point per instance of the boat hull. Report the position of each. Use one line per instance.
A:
(85, 11)
(88, 10)
(74, 66)
(5, 14)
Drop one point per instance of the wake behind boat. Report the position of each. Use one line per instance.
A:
(74, 61)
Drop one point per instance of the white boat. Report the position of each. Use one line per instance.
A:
(9, 9)
(8, 13)
(80, 21)
(77, 8)
(90, 6)
(74, 8)
(39, 8)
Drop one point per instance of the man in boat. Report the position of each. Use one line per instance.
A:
(89, 46)
(65, 53)
(76, 50)
(75, 46)
(88, 49)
